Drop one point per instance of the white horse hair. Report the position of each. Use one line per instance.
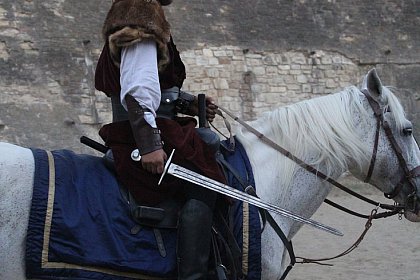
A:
(17, 169)
(334, 133)
(321, 132)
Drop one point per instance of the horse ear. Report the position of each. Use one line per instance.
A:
(373, 84)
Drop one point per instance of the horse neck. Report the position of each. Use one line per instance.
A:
(320, 132)
(277, 178)
(279, 184)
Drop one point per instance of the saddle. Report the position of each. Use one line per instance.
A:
(164, 215)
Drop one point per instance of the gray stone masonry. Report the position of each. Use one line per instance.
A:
(251, 56)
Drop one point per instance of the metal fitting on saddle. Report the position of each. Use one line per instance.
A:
(173, 101)
(147, 138)
(184, 101)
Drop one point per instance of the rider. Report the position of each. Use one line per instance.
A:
(141, 70)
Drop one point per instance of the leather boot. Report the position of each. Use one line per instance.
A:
(194, 240)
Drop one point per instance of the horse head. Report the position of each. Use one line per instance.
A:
(394, 167)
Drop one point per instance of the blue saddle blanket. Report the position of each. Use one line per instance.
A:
(80, 226)
(245, 221)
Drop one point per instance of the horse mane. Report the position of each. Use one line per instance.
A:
(320, 131)
(396, 109)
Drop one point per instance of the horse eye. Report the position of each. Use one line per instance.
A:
(408, 131)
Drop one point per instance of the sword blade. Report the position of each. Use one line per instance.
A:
(203, 181)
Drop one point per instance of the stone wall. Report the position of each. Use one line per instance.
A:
(252, 56)
(250, 83)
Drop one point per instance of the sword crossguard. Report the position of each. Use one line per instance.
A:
(165, 169)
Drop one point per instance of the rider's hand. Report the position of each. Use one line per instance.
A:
(211, 108)
(154, 162)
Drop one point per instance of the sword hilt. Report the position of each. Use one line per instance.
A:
(165, 169)
(93, 144)
(202, 122)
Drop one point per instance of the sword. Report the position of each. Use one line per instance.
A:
(203, 181)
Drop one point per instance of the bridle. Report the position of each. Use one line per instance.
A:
(409, 175)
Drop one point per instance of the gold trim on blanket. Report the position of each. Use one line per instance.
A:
(45, 263)
(245, 238)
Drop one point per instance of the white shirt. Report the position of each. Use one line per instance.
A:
(139, 77)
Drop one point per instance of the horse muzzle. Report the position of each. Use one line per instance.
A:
(412, 202)
(412, 216)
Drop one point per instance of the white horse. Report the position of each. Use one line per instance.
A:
(334, 134)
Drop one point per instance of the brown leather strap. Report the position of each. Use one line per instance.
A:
(379, 118)
(412, 174)
(368, 225)
(147, 138)
(374, 152)
(415, 172)
(304, 165)
(388, 131)
(396, 148)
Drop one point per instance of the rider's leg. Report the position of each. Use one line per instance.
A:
(194, 233)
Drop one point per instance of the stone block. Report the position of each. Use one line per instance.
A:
(259, 70)
(220, 84)
(220, 53)
(298, 58)
(213, 61)
(284, 67)
(326, 60)
(208, 53)
(202, 61)
(224, 60)
(212, 72)
(306, 88)
(318, 89)
(330, 83)
(302, 79)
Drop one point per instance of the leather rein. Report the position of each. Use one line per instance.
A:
(409, 175)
